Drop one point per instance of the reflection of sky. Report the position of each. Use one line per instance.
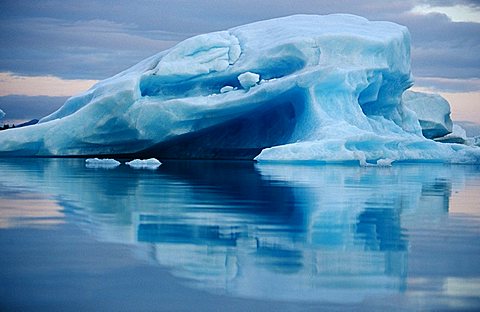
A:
(326, 233)
(18, 209)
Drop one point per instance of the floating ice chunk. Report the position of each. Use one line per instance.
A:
(226, 89)
(248, 79)
(101, 163)
(2, 114)
(475, 141)
(433, 113)
(151, 163)
(380, 163)
(385, 162)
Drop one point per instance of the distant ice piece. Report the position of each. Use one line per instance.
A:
(226, 89)
(330, 91)
(476, 141)
(379, 163)
(2, 114)
(248, 80)
(101, 163)
(458, 135)
(433, 113)
(151, 163)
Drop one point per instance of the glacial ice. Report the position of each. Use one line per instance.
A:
(458, 135)
(101, 163)
(151, 163)
(433, 113)
(2, 114)
(226, 89)
(329, 89)
(248, 80)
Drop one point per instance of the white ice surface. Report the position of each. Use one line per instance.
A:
(226, 89)
(101, 163)
(151, 163)
(248, 80)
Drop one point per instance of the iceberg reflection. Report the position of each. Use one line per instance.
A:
(290, 232)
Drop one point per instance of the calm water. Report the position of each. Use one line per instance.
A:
(405, 237)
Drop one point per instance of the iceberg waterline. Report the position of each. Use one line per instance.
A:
(299, 88)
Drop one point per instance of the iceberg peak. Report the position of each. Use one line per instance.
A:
(248, 80)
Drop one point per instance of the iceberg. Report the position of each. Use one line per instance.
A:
(298, 88)
(458, 135)
(433, 113)
(2, 114)
(151, 163)
(105, 163)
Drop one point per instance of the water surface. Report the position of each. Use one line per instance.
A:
(304, 237)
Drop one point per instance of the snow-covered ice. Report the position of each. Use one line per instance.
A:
(330, 91)
(101, 163)
(226, 89)
(151, 163)
(248, 80)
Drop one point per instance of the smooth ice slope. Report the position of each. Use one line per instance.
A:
(433, 113)
(329, 88)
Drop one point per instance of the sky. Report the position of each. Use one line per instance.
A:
(52, 49)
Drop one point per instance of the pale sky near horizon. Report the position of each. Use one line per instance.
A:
(53, 49)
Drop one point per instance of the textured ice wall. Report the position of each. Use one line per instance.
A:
(304, 87)
(433, 113)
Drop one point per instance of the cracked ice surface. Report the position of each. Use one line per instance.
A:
(329, 89)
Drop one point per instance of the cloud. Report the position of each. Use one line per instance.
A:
(41, 85)
(464, 106)
(75, 49)
(19, 108)
(94, 39)
(436, 84)
(466, 12)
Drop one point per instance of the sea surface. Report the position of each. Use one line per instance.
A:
(238, 236)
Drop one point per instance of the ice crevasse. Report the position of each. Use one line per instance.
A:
(299, 88)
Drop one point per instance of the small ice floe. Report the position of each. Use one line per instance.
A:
(151, 163)
(105, 163)
(386, 162)
(248, 80)
(226, 89)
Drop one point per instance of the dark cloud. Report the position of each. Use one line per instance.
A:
(448, 85)
(96, 39)
(82, 49)
(442, 48)
(448, 3)
(22, 108)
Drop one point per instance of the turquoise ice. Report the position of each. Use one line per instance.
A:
(299, 88)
